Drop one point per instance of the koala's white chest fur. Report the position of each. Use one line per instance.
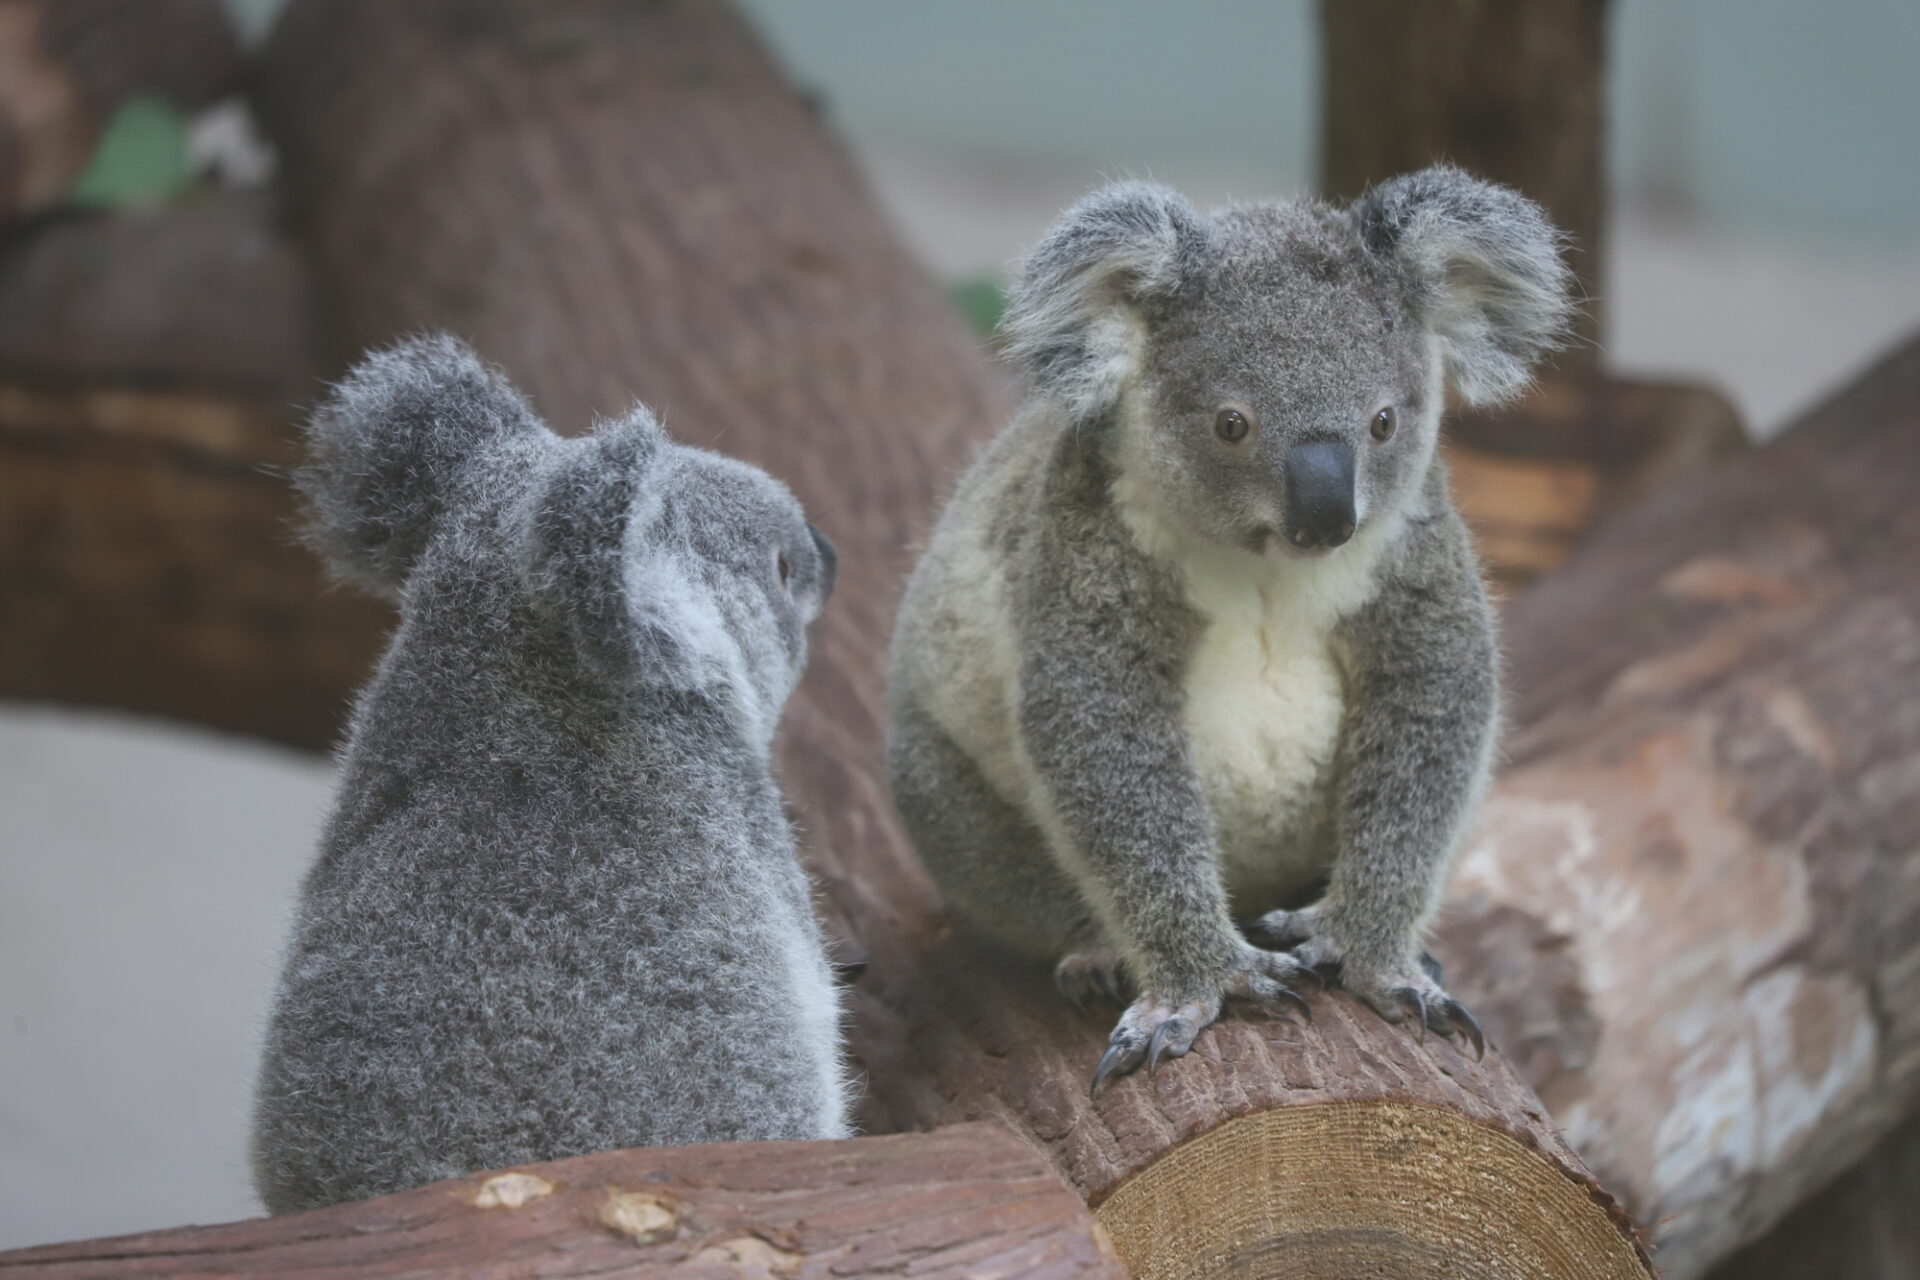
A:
(1264, 695)
(1263, 711)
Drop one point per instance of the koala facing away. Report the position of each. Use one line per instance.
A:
(557, 907)
(1200, 636)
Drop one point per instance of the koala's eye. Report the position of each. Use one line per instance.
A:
(783, 567)
(1383, 424)
(1231, 425)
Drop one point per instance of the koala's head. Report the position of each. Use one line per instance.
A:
(1276, 372)
(669, 566)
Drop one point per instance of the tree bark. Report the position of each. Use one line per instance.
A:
(1691, 915)
(1512, 90)
(616, 200)
(965, 1202)
(149, 363)
(67, 65)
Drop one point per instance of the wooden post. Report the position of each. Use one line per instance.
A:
(1514, 90)
(615, 200)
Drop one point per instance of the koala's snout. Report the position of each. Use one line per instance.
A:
(1320, 511)
(829, 561)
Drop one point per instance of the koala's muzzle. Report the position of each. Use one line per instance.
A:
(1319, 476)
(829, 560)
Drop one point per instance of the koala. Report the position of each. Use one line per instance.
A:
(556, 907)
(1200, 637)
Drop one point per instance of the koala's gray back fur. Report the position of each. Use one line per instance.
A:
(557, 907)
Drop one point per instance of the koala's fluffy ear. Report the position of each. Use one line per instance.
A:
(388, 447)
(1073, 311)
(604, 554)
(1487, 262)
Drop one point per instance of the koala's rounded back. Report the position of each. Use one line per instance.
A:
(557, 907)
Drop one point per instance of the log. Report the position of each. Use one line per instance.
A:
(1691, 914)
(1863, 1227)
(966, 1202)
(67, 65)
(616, 200)
(149, 365)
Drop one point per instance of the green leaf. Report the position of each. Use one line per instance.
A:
(981, 300)
(140, 159)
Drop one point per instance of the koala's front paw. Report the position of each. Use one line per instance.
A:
(1156, 1026)
(1407, 995)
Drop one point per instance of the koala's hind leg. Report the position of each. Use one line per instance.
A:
(990, 862)
(1094, 974)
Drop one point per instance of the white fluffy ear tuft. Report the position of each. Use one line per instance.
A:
(1496, 292)
(1072, 318)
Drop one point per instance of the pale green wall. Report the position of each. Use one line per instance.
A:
(1777, 115)
(1773, 115)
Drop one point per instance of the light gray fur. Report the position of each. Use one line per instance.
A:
(1126, 711)
(557, 907)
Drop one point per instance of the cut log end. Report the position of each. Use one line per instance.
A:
(1363, 1188)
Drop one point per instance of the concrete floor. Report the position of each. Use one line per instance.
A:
(145, 870)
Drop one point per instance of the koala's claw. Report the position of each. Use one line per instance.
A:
(1459, 1020)
(1430, 1010)
(1156, 1046)
(1153, 1028)
(1149, 1030)
(1413, 1008)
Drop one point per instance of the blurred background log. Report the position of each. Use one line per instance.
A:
(67, 65)
(966, 1202)
(1514, 90)
(150, 362)
(1863, 1227)
(617, 201)
(1691, 912)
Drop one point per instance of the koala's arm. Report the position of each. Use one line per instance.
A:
(1422, 710)
(1102, 633)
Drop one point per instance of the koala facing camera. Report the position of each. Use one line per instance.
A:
(1200, 636)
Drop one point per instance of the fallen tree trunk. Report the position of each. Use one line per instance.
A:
(67, 65)
(1863, 1227)
(1691, 915)
(149, 365)
(615, 200)
(965, 1202)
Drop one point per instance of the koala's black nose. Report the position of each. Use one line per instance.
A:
(1319, 477)
(829, 560)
